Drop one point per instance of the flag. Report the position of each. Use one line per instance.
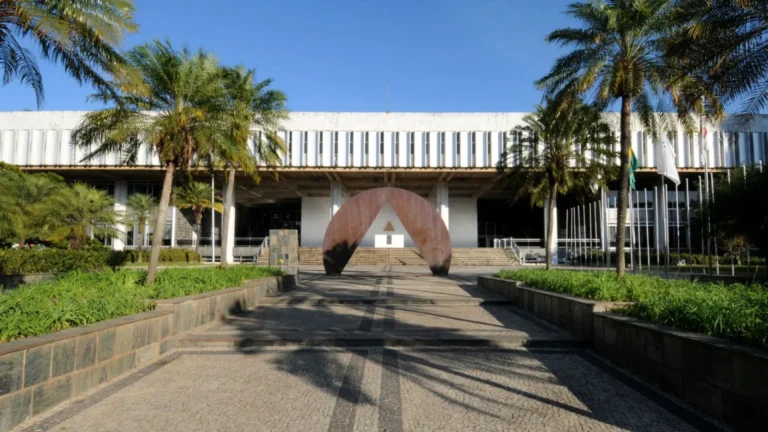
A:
(665, 163)
(633, 166)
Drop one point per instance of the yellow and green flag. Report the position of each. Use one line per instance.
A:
(634, 164)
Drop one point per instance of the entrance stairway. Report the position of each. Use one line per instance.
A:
(411, 256)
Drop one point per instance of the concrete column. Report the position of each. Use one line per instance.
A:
(228, 255)
(553, 251)
(121, 198)
(337, 198)
(173, 226)
(443, 207)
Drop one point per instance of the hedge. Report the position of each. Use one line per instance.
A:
(79, 298)
(674, 258)
(35, 260)
(736, 312)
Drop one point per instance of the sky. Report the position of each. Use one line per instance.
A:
(339, 55)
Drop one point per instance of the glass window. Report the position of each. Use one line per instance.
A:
(290, 148)
(426, 149)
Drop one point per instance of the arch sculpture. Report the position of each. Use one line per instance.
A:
(420, 219)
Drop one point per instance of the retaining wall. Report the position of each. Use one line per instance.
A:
(725, 379)
(40, 372)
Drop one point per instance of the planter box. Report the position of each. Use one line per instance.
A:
(725, 379)
(568, 312)
(40, 372)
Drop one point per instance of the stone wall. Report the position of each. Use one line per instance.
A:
(284, 250)
(568, 312)
(727, 380)
(40, 372)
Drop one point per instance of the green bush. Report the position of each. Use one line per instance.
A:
(34, 260)
(79, 298)
(48, 260)
(166, 255)
(674, 258)
(736, 312)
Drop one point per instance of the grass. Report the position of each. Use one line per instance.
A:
(736, 312)
(78, 299)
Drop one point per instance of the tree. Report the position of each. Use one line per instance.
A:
(249, 104)
(23, 202)
(176, 112)
(141, 208)
(79, 211)
(197, 196)
(562, 146)
(617, 56)
(81, 35)
(723, 43)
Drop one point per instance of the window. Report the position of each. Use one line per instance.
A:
(257, 143)
(351, 160)
(290, 148)
(365, 161)
(389, 239)
(426, 149)
(397, 149)
(488, 159)
(306, 147)
(320, 149)
(381, 148)
(335, 148)
(442, 149)
(411, 147)
(474, 149)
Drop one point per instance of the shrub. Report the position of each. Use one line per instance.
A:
(48, 260)
(736, 312)
(79, 298)
(166, 255)
(34, 260)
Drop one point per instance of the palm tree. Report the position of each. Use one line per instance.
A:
(81, 210)
(23, 202)
(250, 104)
(617, 56)
(141, 207)
(176, 112)
(80, 35)
(561, 147)
(198, 197)
(723, 43)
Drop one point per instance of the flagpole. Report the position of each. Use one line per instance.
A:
(677, 221)
(604, 237)
(597, 230)
(567, 239)
(639, 233)
(578, 232)
(657, 224)
(666, 229)
(647, 229)
(688, 225)
(631, 233)
(714, 238)
(701, 209)
(589, 247)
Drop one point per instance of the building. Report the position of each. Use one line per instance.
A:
(448, 158)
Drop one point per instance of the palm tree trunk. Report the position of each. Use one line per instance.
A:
(551, 225)
(199, 223)
(229, 196)
(621, 217)
(162, 211)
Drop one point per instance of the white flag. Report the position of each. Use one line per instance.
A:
(665, 163)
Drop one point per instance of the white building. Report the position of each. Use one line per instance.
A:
(449, 158)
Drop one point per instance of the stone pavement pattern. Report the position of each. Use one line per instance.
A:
(299, 388)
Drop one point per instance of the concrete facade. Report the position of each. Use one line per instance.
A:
(449, 158)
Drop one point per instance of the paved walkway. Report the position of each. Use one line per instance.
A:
(374, 350)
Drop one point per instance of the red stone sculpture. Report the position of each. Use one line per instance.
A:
(418, 216)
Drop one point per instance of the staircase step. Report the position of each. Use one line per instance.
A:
(315, 300)
(377, 339)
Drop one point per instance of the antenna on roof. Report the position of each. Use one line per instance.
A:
(387, 98)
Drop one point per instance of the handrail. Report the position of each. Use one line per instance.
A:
(507, 243)
(264, 244)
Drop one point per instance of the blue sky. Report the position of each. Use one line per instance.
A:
(437, 55)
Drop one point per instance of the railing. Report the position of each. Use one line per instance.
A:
(507, 244)
(264, 245)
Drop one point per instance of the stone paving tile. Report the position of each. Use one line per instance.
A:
(469, 318)
(370, 390)
(326, 317)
